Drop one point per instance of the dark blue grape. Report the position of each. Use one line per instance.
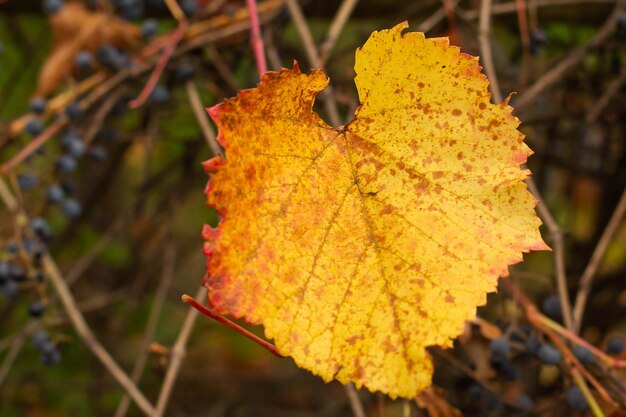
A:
(74, 111)
(17, 272)
(71, 208)
(10, 289)
(52, 6)
(67, 137)
(40, 338)
(190, 7)
(5, 271)
(34, 247)
(160, 95)
(55, 193)
(83, 60)
(492, 403)
(36, 309)
(34, 127)
(184, 72)
(615, 345)
(509, 372)
(111, 58)
(27, 181)
(549, 355)
(38, 105)
(41, 228)
(584, 355)
(532, 345)
(499, 348)
(109, 134)
(575, 399)
(66, 163)
(524, 403)
(149, 28)
(475, 392)
(551, 307)
(98, 153)
(538, 39)
(76, 148)
(50, 357)
(69, 186)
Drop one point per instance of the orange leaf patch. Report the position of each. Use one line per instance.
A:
(359, 246)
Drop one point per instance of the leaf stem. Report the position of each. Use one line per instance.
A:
(207, 312)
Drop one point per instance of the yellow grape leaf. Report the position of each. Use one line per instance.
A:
(357, 247)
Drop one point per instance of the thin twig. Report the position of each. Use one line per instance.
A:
(586, 280)
(337, 25)
(256, 40)
(574, 58)
(593, 405)
(85, 262)
(89, 338)
(612, 89)
(16, 346)
(153, 320)
(434, 19)
(556, 237)
(201, 115)
(553, 228)
(178, 353)
(35, 144)
(355, 401)
(304, 32)
(511, 7)
(231, 324)
(484, 39)
(175, 38)
(223, 70)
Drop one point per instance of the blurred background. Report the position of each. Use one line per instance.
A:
(102, 135)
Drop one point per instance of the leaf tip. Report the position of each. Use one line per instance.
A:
(212, 165)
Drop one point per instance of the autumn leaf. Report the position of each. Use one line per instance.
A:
(358, 247)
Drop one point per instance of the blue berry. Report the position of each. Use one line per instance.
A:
(190, 7)
(41, 228)
(34, 247)
(50, 357)
(98, 153)
(74, 111)
(38, 105)
(149, 28)
(9, 289)
(499, 348)
(108, 134)
(525, 403)
(36, 309)
(160, 95)
(532, 345)
(69, 186)
(71, 208)
(27, 181)
(551, 307)
(509, 372)
(475, 392)
(549, 355)
(575, 399)
(34, 127)
(76, 148)
(111, 58)
(184, 72)
(17, 272)
(5, 271)
(492, 403)
(66, 163)
(83, 60)
(52, 6)
(615, 345)
(40, 338)
(584, 355)
(55, 193)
